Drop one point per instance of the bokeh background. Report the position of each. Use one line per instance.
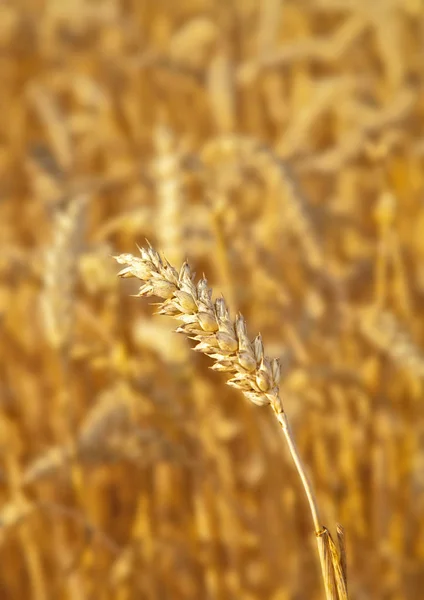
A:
(279, 145)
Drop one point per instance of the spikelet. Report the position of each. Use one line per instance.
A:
(60, 272)
(220, 81)
(293, 203)
(383, 330)
(356, 143)
(111, 414)
(12, 513)
(193, 44)
(319, 48)
(55, 459)
(53, 118)
(103, 440)
(110, 430)
(122, 567)
(208, 323)
(168, 178)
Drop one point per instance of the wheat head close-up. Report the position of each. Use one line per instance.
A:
(276, 149)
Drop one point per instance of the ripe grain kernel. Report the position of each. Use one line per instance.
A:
(226, 342)
(247, 361)
(163, 289)
(207, 322)
(187, 302)
(263, 381)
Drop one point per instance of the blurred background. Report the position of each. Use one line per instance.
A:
(279, 145)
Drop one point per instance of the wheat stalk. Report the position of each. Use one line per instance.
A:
(208, 322)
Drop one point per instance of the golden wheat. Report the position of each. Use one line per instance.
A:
(257, 376)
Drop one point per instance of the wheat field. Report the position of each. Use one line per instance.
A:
(278, 146)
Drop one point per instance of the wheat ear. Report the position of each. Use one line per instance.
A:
(227, 343)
